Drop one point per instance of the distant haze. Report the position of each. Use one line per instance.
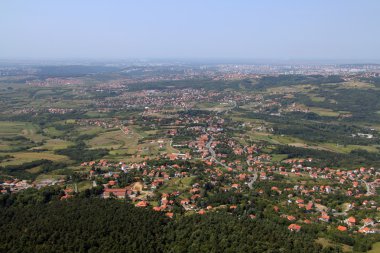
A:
(196, 29)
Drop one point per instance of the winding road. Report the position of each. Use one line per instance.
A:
(254, 178)
(213, 157)
(212, 152)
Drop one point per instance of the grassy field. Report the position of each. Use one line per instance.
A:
(287, 140)
(325, 242)
(23, 157)
(278, 157)
(239, 117)
(115, 140)
(346, 149)
(55, 144)
(10, 131)
(375, 248)
(95, 114)
(34, 170)
(321, 111)
(123, 146)
(53, 132)
(48, 177)
(13, 128)
(291, 89)
(84, 185)
(176, 184)
(275, 139)
(89, 130)
(316, 98)
(356, 85)
(324, 112)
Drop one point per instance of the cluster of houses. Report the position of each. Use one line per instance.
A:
(16, 185)
(228, 166)
(303, 197)
(103, 123)
(59, 110)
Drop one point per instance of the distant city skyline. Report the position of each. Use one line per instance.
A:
(252, 31)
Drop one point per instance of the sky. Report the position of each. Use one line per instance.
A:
(190, 29)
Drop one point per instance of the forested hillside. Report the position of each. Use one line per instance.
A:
(94, 225)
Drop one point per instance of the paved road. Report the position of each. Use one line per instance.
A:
(370, 190)
(212, 152)
(213, 157)
(254, 178)
(233, 107)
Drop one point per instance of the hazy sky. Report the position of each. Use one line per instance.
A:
(266, 29)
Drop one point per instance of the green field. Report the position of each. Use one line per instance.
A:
(23, 157)
(324, 112)
(53, 132)
(15, 136)
(316, 98)
(28, 130)
(110, 140)
(55, 144)
(326, 242)
(176, 184)
(375, 248)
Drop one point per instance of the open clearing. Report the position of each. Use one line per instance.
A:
(316, 98)
(110, 140)
(176, 184)
(356, 85)
(17, 128)
(13, 128)
(55, 144)
(375, 248)
(23, 157)
(325, 243)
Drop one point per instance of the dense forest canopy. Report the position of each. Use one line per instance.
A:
(94, 225)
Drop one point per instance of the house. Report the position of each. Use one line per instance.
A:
(111, 183)
(185, 202)
(351, 221)
(366, 230)
(294, 227)
(170, 215)
(342, 228)
(309, 206)
(142, 204)
(324, 217)
(116, 192)
(368, 222)
(236, 186)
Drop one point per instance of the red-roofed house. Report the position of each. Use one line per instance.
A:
(142, 204)
(170, 215)
(117, 192)
(294, 227)
(351, 221)
(342, 228)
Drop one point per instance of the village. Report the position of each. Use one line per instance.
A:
(214, 172)
(283, 154)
